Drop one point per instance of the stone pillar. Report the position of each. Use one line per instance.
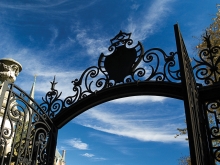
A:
(9, 70)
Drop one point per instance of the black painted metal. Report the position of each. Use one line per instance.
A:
(127, 71)
(212, 109)
(154, 65)
(168, 89)
(123, 60)
(208, 72)
(199, 151)
(207, 68)
(210, 101)
(159, 74)
(52, 104)
(25, 129)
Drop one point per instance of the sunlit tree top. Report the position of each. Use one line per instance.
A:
(213, 30)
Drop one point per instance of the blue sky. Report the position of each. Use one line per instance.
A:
(65, 37)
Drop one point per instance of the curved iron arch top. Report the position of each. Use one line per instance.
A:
(118, 75)
(167, 89)
(125, 64)
(129, 71)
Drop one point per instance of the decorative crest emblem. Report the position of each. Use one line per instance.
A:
(120, 67)
(123, 60)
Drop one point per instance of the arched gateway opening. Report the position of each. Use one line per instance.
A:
(127, 71)
(132, 130)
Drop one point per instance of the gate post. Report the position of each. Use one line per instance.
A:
(198, 142)
(27, 133)
(52, 143)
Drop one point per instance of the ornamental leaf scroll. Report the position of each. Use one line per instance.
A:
(125, 64)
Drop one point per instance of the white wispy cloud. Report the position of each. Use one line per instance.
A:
(55, 33)
(139, 99)
(42, 6)
(88, 155)
(99, 159)
(68, 43)
(31, 7)
(135, 6)
(61, 148)
(145, 25)
(77, 143)
(142, 130)
(93, 157)
(34, 66)
(111, 140)
(93, 45)
(141, 25)
(38, 62)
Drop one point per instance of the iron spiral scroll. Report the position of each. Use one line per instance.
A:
(207, 68)
(131, 65)
(212, 109)
(207, 71)
(25, 129)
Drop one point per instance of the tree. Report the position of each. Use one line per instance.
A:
(184, 160)
(213, 32)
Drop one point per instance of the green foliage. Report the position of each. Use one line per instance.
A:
(184, 160)
(21, 131)
(214, 32)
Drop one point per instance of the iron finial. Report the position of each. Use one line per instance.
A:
(53, 84)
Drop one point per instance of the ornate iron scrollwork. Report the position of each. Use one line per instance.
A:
(25, 128)
(165, 70)
(125, 64)
(207, 68)
(52, 104)
(213, 112)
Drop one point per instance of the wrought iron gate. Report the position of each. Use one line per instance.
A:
(199, 151)
(29, 131)
(27, 134)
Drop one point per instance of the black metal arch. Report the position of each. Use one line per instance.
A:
(167, 89)
(123, 71)
(27, 134)
(126, 71)
(129, 71)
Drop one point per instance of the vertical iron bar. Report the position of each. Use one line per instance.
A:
(51, 149)
(4, 117)
(187, 113)
(208, 134)
(4, 89)
(198, 151)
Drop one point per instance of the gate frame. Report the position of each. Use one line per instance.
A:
(194, 95)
